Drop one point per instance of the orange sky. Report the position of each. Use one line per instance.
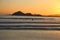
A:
(44, 7)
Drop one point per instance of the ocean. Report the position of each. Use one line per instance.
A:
(29, 28)
(29, 22)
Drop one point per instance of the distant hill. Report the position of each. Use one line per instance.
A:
(19, 13)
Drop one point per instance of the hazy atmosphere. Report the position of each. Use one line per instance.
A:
(29, 19)
(44, 7)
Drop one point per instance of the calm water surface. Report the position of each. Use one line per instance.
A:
(29, 35)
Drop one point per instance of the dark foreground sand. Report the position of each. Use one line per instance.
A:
(29, 35)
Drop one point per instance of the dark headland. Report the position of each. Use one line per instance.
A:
(19, 13)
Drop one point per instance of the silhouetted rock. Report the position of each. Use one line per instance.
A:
(37, 15)
(28, 14)
(19, 13)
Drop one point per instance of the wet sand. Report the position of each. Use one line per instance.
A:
(29, 35)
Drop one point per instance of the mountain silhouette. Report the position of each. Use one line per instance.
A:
(19, 13)
(28, 14)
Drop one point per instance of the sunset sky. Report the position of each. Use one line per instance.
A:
(44, 7)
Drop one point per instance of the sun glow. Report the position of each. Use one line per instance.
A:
(44, 7)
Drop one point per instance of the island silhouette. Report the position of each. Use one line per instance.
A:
(19, 13)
